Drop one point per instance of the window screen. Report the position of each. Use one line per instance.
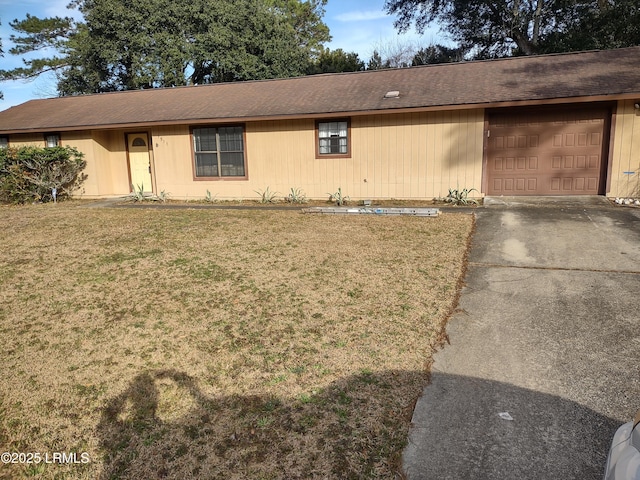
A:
(52, 140)
(333, 138)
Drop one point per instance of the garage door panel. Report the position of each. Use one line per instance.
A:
(582, 139)
(539, 152)
(515, 186)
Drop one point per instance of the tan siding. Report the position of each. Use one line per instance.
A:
(418, 155)
(112, 169)
(625, 158)
(84, 143)
(104, 152)
(414, 155)
(30, 140)
(172, 167)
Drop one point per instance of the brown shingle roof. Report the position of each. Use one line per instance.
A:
(601, 74)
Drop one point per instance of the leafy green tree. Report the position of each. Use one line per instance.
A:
(306, 19)
(495, 28)
(335, 61)
(608, 24)
(125, 44)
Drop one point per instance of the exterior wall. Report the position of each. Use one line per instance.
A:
(625, 156)
(27, 140)
(418, 155)
(105, 153)
(412, 156)
(107, 167)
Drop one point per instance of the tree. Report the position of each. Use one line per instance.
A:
(125, 44)
(40, 34)
(496, 28)
(335, 61)
(306, 19)
(391, 54)
(376, 62)
(438, 54)
(610, 24)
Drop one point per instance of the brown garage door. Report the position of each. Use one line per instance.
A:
(554, 151)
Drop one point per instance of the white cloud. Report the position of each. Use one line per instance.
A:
(360, 16)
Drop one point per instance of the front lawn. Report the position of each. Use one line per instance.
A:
(218, 344)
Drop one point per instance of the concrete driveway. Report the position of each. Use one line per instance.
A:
(544, 356)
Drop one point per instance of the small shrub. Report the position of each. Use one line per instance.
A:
(460, 197)
(210, 198)
(138, 195)
(296, 196)
(30, 174)
(163, 196)
(338, 197)
(266, 196)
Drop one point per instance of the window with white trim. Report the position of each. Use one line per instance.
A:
(333, 138)
(219, 151)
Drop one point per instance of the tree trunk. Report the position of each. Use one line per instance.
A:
(537, 18)
(525, 45)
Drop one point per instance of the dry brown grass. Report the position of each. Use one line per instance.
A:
(218, 344)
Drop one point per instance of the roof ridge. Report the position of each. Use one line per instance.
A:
(335, 74)
(467, 84)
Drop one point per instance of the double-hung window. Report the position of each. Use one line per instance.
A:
(333, 138)
(219, 151)
(4, 141)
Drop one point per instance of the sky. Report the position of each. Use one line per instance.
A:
(356, 26)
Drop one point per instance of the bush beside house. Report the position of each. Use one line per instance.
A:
(32, 174)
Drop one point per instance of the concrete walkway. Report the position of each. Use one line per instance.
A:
(544, 356)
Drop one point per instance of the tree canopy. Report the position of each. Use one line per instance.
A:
(335, 61)
(133, 44)
(437, 54)
(496, 28)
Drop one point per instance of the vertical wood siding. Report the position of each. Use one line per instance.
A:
(625, 155)
(418, 155)
(110, 159)
(404, 156)
(27, 140)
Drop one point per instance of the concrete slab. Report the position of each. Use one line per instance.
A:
(106, 202)
(548, 335)
(555, 201)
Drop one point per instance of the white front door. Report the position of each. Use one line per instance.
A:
(139, 162)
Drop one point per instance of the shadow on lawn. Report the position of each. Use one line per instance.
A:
(163, 426)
